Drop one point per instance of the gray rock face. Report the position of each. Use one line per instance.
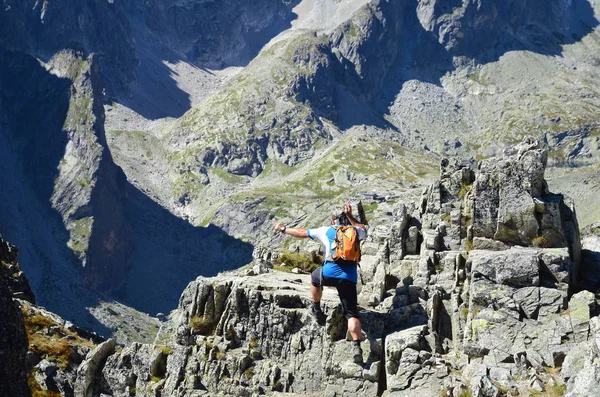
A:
(476, 28)
(13, 342)
(257, 331)
(12, 274)
(46, 28)
(504, 208)
(90, 368)
(511, 204)
(402, 358)
(514, 267)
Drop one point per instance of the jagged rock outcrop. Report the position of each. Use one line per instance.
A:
(13, 337)
(39, 351)
(89, 369)
(248, 335)
(442, 320)
(11, 272)
(479, 29)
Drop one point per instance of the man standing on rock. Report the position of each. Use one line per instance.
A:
(340, 274)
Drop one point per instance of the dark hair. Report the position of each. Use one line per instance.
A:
(341, 219)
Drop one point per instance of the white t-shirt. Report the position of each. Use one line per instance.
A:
(326, 235)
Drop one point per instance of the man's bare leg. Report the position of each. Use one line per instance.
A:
(354, 327)
(317, 293)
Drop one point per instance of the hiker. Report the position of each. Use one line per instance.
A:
(336, 272)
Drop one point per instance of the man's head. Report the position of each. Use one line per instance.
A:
(339, 218)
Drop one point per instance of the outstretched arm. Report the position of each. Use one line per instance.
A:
(291, 231)
(353, 221)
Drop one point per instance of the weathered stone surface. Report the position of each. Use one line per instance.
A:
(552, 301)
(412, 239)
(586, 382)
(574, 361)
(402, 356)
(484, 293)
(398, 232)
(581, 306)
(557, 261)
(86, 383)
(138, 369)
(528, 299)
(13, 346)
(517, 267)
(484, 243)
(485, 388)
(375, 276)
(503, 377)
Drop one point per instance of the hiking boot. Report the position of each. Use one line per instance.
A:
(318, 315)
(357, 354)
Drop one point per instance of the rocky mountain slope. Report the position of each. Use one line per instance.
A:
(144, 144)
(473, 289)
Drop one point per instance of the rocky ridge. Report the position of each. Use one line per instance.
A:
(213, 145)
(474, 288)
(40, 351)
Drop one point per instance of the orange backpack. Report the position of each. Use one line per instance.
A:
(346, 246)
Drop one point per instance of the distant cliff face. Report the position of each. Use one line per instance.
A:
(60, 158)
(211, 34)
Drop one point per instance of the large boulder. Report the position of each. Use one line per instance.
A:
(512, 204)
(87, 382)
(517, 267)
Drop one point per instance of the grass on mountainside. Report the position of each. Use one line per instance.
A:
(201, 325)
(49, 338)
(247, 106)
(362, 160)
(80, 231)
(284, 191)
(540, 242)
(36, 389)
(306, 261)
(227, 176)
(550, 391)
(371, 207)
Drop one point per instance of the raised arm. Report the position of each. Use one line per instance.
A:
(353, 221)
(291, 231)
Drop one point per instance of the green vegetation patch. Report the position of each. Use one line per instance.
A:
(80, 232)
(305, 261)
(202, 326)
(36, 389)
(54, 346)
(541, 242)
(227, 176)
